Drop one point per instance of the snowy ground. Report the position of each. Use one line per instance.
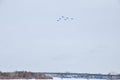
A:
(55, 78)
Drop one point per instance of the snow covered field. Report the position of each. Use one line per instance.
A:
(55, 78)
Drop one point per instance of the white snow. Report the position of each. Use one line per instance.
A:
(55, 78)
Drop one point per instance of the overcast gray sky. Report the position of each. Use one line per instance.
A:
(32, 39)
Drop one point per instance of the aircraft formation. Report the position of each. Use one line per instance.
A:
(64, 18)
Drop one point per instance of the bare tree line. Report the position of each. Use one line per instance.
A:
(23, 75)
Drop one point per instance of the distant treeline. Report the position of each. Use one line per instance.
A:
(23, 75)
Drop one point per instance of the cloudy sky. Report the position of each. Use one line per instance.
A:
(32, 39)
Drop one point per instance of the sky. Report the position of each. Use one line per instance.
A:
(32, 38)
